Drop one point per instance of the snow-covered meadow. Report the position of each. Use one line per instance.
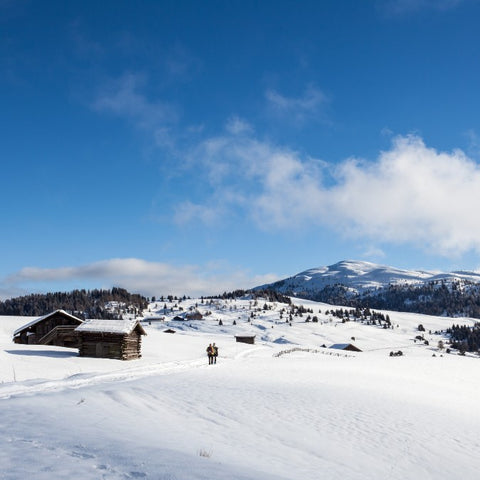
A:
(284, 408)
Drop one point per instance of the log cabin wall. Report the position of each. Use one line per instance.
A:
(110, 345)
(245, 339)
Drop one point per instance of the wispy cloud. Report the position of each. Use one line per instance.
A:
(137, 275)
(188, 211)
(268, 183)
(373, 252)
(411, 194)
(473, 147)
(236, 126)
(10, 291)
(298, 109)
(124, 98)
(181, 64)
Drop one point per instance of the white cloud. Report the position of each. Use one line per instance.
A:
(411, 194)
(373, 252)
(137, 275)
(237, 126)
(187, 212)
(11, 292)
(123, 97)
(473, 147)
(271, 184)
(297, 109)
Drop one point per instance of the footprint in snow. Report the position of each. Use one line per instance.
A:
(136, 475)
(83, 455)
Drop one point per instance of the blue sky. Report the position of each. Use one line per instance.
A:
(195, 147)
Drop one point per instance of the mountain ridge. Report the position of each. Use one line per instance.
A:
(358, 283)
(364, 275)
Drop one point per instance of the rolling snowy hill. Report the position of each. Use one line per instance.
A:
(356, 283)
(286, 408)
(360, 276)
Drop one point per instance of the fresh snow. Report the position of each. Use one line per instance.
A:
(361, 276)
(35, 320)
(284, 408)
(113, 326)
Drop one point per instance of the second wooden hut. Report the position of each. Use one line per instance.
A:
(118, 339)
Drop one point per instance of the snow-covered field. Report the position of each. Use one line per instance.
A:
(284, 408)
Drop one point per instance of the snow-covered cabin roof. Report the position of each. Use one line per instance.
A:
(44, 317)
(345, 346)
(120, 327)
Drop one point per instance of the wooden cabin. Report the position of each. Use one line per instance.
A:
(149, 320)
(117, 339)
(245, 338)
(56, 328)
(346, 346)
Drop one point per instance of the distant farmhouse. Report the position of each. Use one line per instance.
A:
(117, 339)
(56, 328)
(196, 315)
(245, 338)
(346, 346)
(154, 319)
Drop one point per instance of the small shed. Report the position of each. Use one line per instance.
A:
(117, 339)
(346, 346)
(55, 328)
(245, 338)
(149, 320)
(194, 316)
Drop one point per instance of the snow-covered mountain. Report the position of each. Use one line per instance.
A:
(360, 276)
(355, 282)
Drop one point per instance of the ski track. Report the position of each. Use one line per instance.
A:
(80, 380)
(253, 416)
(85, 380)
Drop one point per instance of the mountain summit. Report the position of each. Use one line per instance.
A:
(360, 276)
(358, 283)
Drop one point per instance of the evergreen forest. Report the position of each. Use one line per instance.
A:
(107, 304)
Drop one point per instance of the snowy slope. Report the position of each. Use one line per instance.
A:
(284, 408)
(360, 276)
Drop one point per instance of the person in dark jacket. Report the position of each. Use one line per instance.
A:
(210, 354)
(215, 353)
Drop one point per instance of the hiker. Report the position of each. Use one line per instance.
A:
(215, 353)
(210, 354)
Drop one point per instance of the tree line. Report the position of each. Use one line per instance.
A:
(268, 294)
(465, 339)
(451, 299)
(82, 303)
